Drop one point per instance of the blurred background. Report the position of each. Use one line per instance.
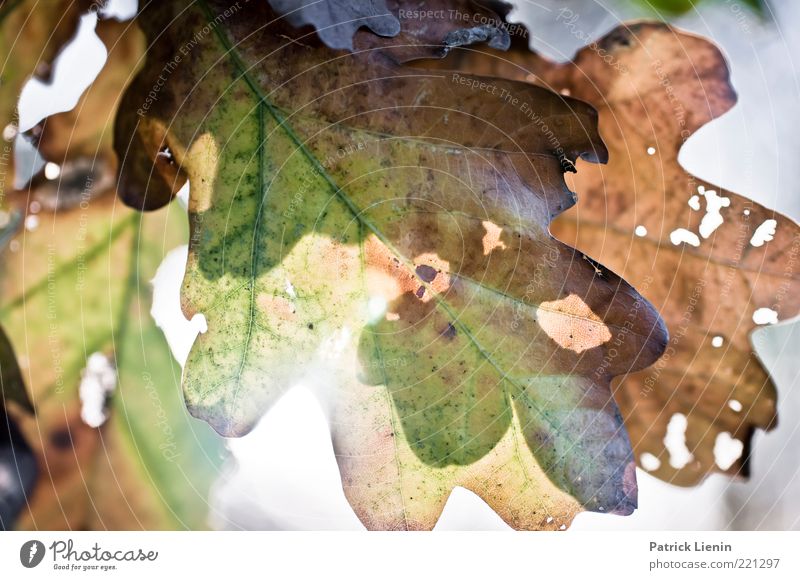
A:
(284, 476)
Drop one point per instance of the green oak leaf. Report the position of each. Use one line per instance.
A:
(77, 289)
(382, 233)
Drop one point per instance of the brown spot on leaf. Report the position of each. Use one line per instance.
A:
(427, 273)
(449, 332)
(277, 306)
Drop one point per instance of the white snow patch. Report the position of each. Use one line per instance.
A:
(764, 233)
(675, 441)
(727, 450)
(98, 381)
(765, 316)
(684, 235)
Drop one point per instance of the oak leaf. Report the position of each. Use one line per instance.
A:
(86, 130)
(383, 233)
(717, 265)
(115, 446)
(32, 32)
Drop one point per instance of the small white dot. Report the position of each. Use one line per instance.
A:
(735, 405)
(651, 150)
(747, 212)
(35, 207)
(9, 132)
(52, 170)
(640, 231)
(31, 222)
(717, 341)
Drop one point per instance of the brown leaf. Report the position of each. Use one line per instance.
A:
(86, 129)
(34, 31)
(654, 86)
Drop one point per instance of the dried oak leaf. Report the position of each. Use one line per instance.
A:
(115, 445)
(32, 32)
(86, 129)
(383, 233)
(716, 264)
